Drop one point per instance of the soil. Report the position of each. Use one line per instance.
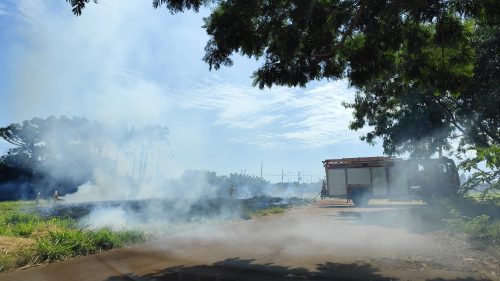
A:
(328, 240)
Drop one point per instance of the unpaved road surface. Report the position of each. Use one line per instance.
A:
(324, 241)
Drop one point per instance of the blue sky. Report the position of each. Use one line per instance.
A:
(134, 64)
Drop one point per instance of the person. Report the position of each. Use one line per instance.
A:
(232, 192)
(55, 197)
(37, 199)
(323, 191)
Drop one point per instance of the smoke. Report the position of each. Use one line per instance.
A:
(160, 204)
(121, 174)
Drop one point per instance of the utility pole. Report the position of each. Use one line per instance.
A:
(261, 164)
(282, 183)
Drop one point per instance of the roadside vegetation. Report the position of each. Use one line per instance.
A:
(28, 238)
(264, 212)
(260, 206)
(477, 217)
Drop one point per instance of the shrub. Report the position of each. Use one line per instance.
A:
(480, 228)
(478, 219)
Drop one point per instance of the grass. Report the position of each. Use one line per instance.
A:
(15, 205)
(6, 262)
(60, 245)
(248, 214)
(27, 238)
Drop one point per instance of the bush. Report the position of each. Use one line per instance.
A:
(478, 219)
(481, 228)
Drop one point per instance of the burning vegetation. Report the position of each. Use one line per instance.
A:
(94, 187)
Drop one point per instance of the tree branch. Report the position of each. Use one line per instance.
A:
(487, 132)
(346, 33)
(450, 115)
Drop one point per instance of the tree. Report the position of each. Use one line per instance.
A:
(413, 115)
(63, 153)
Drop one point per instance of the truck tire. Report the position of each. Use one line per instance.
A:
(360, 198)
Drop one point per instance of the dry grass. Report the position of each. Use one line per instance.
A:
(10, 245)
(11, 251)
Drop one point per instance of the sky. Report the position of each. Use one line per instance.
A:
(137, 65)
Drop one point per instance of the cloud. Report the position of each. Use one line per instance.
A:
(282, 117)
(238, 106)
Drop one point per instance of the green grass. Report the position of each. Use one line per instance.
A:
(262, 212)
(57, 238)
(60, 245)
(18, 224)
(15, 205)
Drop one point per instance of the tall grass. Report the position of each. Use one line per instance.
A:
(58, 238)
(18, 224)
(59, 245)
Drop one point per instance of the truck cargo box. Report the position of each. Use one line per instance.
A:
(392, 178)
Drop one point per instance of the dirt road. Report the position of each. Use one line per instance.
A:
(324, 241)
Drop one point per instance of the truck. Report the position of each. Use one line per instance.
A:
(361, 179)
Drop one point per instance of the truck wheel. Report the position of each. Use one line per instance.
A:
(360, 198)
